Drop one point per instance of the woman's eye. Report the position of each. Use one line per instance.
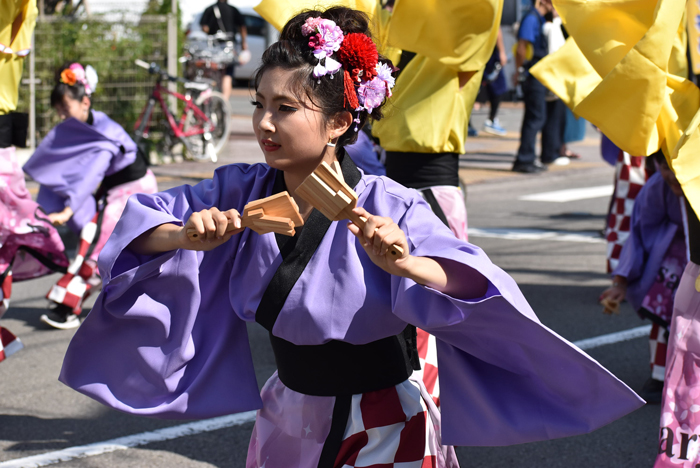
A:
(256, 104)
(284, 108)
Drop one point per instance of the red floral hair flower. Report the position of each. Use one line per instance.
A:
(359, 56)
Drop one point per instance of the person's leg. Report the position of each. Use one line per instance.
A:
(533, 120)
(226, 85)
(552, 131)
(227, 82)
(495, 101)
(492, 125)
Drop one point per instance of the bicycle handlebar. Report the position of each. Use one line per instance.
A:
(154, 69)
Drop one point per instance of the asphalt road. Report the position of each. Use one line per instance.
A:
(561, 279)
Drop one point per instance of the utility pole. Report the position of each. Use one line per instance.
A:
(172, 53)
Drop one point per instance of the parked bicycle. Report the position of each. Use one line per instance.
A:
(205, 123)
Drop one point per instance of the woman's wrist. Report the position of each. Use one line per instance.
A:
(619, 282)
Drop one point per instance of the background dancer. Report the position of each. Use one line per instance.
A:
(651, 264)
(86, 159)
(171, 318)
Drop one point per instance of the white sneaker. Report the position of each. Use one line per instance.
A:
(61, 322)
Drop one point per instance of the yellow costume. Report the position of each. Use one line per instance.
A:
(621, 70)
(453, 40)
(17, 19)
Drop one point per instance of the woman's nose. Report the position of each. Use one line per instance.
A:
(265, 123)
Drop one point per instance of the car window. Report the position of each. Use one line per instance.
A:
(254, 25)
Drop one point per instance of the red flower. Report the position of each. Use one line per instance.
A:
(359, 56)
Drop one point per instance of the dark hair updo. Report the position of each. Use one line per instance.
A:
(61, 90)
(292, 52)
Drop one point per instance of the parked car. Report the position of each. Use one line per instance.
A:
(257, 29)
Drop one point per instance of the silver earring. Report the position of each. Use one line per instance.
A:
(330, 143)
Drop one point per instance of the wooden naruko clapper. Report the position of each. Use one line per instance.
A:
(278, 213)
(326, 190)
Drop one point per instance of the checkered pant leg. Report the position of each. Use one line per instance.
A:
(9, 344)
(77, 284)
(5, 292)
(630, 176)
(428, 373)
(398, 427)
(657, 351)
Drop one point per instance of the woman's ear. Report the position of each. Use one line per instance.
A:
(339, 124)
(86, 102)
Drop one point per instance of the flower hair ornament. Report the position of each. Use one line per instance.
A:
(367, 82)
(75, 73)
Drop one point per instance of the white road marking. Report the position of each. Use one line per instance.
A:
(123, 443)
(169, 433)
(612, 338)
(537, 234)
(561, 196)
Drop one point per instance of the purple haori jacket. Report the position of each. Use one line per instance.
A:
(167, 335)
(656, 218)
(72, 160)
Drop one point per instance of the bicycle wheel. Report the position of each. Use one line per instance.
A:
(216, 129)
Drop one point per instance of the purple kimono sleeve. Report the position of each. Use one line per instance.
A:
(162, 339)
(504, 377)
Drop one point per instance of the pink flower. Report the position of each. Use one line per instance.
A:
(384, 72)
(371, 94)
(329, 39)
(310, 26)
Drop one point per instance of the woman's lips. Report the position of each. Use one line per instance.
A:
(269, 145)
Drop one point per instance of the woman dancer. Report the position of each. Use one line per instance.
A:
(85, 153)
(171, 318)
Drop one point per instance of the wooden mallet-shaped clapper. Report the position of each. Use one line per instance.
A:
(326, 190)
(278, 213)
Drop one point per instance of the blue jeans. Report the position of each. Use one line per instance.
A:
(543, 116)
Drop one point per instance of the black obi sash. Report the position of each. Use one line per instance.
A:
(335, 368)
(130, 173)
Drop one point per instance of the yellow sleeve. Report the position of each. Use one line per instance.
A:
(459, 34)
(278, 12)
(11, 63)
(428, 112)
(620, 72)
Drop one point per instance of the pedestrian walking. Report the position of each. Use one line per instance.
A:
(495, 86)
(539, 116)
(87, 167)
(170, 320)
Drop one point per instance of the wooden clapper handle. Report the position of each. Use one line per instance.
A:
(360, 222)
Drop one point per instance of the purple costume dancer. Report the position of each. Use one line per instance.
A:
(168, 338)
(651, 263)
(75, 160)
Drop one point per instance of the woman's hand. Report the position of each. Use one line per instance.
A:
(213, 228)
(614, 295)
(210, 226)
(377, 236)
(61, 217)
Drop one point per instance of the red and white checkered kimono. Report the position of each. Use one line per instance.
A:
(630, 176)
(395, 427)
